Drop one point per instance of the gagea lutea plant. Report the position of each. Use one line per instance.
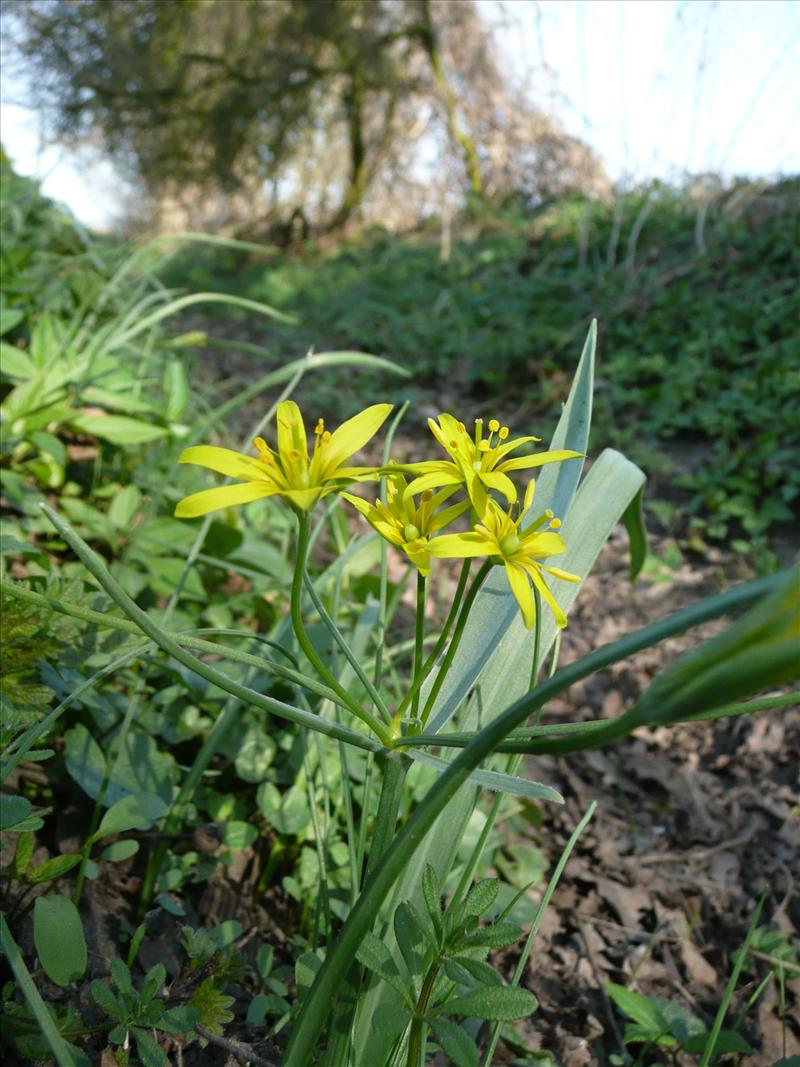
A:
(403, 966)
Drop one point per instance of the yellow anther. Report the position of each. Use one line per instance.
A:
(454, 444)
(260, 444)
(555, 524)
(484, 446)
(503, 432)
(326, 437)
(462, 427)
(494, 426)
(320, 427)
(295, 454)
(426, 496)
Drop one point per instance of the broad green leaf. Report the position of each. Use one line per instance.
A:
(136, 811)
(179, 1020)
(375, 956)
(493, 1002)
(140, 768)
(454, 1042)
(120, 850)
(497, 936)
(118, 429)
(150, 1052)
(477, 970)
(410, 940)
(9, 318)
(124, 506)
(13, 811)
(481, 896)
(23, 853)
(59, 940)
(105, 998)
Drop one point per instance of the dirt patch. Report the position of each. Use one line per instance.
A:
(693, 823)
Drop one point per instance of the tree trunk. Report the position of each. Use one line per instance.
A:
(459, 135)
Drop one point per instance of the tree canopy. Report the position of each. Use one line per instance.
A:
(319, 104)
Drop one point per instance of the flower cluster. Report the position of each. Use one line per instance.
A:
(417, 510)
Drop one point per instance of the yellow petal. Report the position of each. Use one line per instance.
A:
(225, 461)
(501, 482)
(445, 474)
(567, 576)
(291, 432)
(521, 588)
(225, 496)
(418, 554)
(352, 436)
(461, 546)
(367, 510)
(538, 459)
(510, 446)
(541, 545)
(547, 596)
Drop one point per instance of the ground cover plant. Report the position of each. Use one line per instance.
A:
(233, 689)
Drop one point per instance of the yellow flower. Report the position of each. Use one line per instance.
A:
(478, 463)
(406, 525)
(519, 549)
(290, 472)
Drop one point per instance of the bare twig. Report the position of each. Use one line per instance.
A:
(242, 1052)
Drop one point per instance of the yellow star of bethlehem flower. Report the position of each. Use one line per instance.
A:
(519, 549)
(477, 462)
(289, 473)
(405, 524)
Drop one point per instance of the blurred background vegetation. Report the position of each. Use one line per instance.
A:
(413, 201)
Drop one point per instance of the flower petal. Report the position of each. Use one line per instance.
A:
(541, 545)
(510, 446)
(447, 474)
(461, 546)
(501, 482)
(538, 459)
(547, 596)
(521, 588)
(291, 433)
(352, 436)
(557, 572)
(224, 496)
(226, 461)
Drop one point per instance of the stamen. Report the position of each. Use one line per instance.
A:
(320, 427)
(462, 427)
(454, 444)
(503, 432)
(426, 496)
(555, 524)
(478, 432)
(326, 437)
(484, 446)
(494, 425)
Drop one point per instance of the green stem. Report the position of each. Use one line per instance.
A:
(441, 642)
(97, 569)
(395, 768)
(349, 655)
(418, 1024)
(456, 639)
(305, 643)
(419, 637)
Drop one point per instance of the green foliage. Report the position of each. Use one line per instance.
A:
(698, 307)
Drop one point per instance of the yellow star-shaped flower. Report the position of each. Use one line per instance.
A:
(289, 473)
(519, 549)
(478, 463)
(407, 525)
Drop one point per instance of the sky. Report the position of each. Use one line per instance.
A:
(659, 88)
